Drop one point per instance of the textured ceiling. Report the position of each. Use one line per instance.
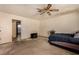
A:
(30, 10)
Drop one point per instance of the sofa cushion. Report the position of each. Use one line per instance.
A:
(63, 38)
(76, 35)
(75, 40)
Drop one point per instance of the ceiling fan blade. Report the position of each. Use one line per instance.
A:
(42, 13)
(39, 10)
(48, 13)
(55, 10)
(50, 10)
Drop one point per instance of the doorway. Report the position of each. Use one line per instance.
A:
(16, 30)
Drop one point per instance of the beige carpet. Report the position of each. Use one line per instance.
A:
(39, 46)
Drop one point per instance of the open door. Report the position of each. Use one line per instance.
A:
(16, 30)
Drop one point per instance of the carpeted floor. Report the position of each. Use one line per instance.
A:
(39, 46)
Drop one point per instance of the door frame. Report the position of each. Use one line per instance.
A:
(16, 29)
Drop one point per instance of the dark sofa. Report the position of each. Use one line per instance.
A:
(65, 40)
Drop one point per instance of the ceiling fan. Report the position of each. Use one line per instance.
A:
(47, 9)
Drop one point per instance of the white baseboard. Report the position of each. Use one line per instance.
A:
(43, 36)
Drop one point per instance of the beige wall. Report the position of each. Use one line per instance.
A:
(28, 26)
(66, 23)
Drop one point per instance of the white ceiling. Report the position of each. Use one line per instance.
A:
(30, 10)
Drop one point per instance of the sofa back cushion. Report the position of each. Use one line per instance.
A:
(76, 35)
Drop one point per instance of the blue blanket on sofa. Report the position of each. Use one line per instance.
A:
(63, 38)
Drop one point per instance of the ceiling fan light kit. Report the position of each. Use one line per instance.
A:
(47, 9)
